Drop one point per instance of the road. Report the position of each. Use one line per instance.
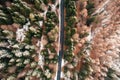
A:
(61, 39)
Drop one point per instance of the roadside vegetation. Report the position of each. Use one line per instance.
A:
(28, 51)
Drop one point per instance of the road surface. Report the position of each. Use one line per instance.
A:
(61, 38)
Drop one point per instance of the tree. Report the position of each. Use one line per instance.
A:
(45, 1)
(90, 20)
(71, 21)
(90, 7)
(53, 1)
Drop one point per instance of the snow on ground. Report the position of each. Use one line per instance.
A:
(20, 33)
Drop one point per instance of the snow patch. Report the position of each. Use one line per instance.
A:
(20, 34)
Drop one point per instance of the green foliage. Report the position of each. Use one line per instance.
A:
(38, 18)
(21, 7)
(29, 35)
(50, 22)
(90, 20)
(38, 34)
(67, 1)
(14, 7)
(90, 7)
(71, 21)
(15, 13)
(53, 1)
(69, 30)
(45, 1)
(68, 42)
(81, 6)
(45, 52)
(71, 9)
(68, 55)
(38, 4)
(32, 1)
(57, 6)
(25, 10)
(51, 48)
(109, 74)
(70, 33)
(11, 59)
(18, 18)
(73, 31)
(52, 16)
(83, 35)
(5, 18)
(85, 70)
(68, 36)
(49, 25)
(19, 12)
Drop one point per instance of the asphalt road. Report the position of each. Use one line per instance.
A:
(61, 38)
